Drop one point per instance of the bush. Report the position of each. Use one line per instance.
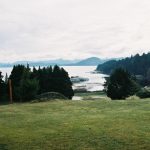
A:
(144, 93)
(50, 96)
(120, 85)
(134, 97)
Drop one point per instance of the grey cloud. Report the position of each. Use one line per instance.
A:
(35, 29)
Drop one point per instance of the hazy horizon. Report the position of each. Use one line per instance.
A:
(34, 30)
(59, 59)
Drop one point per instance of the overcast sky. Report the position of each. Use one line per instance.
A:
(73, 29)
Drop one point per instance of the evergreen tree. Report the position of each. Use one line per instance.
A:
(54, 79)
(49, 79)
(120, 85)
(67, 84)
(148, 75)
(6, 79)
(27, 83)
(28, 87)
(1, 86)
(61, 82)
(16, 74)
(16, 77)
(34, 73)
(3, 90)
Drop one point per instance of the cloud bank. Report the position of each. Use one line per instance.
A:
(73, 29)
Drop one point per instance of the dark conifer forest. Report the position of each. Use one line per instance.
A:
(137, 65)
(27, 83)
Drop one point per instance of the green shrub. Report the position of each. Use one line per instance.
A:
(134, 97)
(50, 96)
(144, 92)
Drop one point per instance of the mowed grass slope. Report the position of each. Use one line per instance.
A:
(76, 125)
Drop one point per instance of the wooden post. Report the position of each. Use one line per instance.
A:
(10, 91)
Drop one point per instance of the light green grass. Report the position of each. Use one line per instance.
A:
(76, 125)
(92, 95)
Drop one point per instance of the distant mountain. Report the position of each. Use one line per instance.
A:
(5, 65)
(61, 62)
(92, 61)
(47, 62)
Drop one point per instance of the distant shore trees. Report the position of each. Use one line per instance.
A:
(138, 65)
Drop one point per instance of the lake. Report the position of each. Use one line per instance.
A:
(95, 82)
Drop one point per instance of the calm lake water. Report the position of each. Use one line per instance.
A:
(95, 82)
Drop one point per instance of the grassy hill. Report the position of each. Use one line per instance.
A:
(69, 125)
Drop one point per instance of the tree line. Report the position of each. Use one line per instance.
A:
(136, 65)
(27, 83)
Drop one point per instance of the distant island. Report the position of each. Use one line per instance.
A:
(92, 61)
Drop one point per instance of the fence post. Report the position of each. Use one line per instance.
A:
(10, 91)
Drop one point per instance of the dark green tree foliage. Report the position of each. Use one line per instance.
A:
(61, 82)
(27, 83)
(16, 76)
(6, 79)
(2, 88)
(148, 75)
(54, 79)
(44, 76)
(28, 87)
(23, 86)
(144, 92)
(137, 65)
(120, 85)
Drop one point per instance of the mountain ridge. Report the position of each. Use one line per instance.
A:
(91, 61)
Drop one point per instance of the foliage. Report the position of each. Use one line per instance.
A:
(137, 65)
(144, 92)
(16, 77)
(27, 83)
(50, 96)
(54, 79)
(16, 74)
(3, 89)
(148, 75)
(120, 85)
(28, 87)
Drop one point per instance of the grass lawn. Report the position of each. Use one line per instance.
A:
(92, 95)
(76, 125)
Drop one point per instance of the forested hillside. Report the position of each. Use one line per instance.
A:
(137, 65)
